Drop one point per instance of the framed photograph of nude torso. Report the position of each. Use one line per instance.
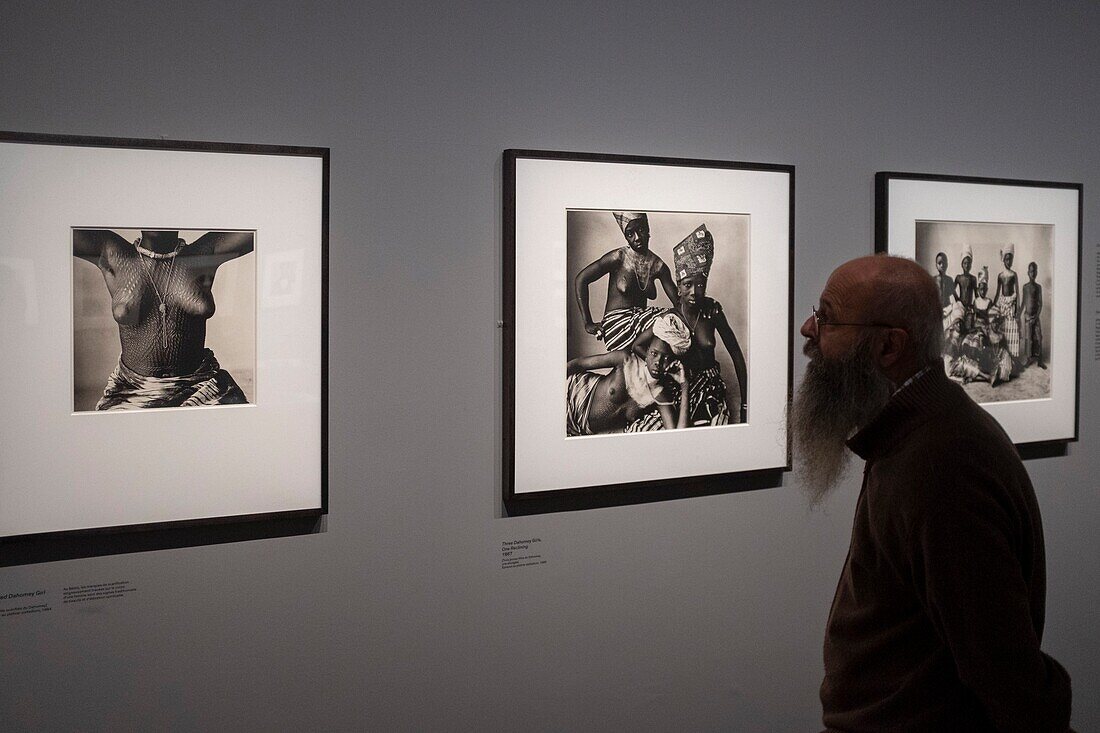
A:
(647, 324)
(1005, 256)
(155, 373)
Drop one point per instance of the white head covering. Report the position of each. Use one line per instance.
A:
(671, 329)
(967, 252)
(1008, 249)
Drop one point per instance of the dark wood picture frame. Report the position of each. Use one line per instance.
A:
(970, 203)
(628, 492)
(99, 540)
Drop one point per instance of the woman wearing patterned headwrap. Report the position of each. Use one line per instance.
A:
(693, 258)
(635, 388)
(1007, 299)
(632, 274)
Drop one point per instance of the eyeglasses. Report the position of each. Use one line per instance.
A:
(820, 320)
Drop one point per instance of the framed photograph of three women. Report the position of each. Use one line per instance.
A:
(647, 323)
(163, 311)
(1006, 258)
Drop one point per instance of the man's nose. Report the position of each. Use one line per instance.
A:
(807, 329)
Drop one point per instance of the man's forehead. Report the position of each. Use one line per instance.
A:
(846, 287)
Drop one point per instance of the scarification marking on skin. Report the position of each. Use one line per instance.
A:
(189, 303)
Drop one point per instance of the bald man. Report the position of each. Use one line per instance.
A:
(938, 616)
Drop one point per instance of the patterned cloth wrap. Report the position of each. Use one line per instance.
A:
(625, 217)
(621, 326)
(207, 385)
(694, 254)
(1006, 304)
(978, 355)
(706, 404)
(578, 398)
(671, 328)
(953, 315)
(984, 351)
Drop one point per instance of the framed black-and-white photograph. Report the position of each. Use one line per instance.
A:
(647, 322)
(1005, 255)
(145, 335)
(165, 333)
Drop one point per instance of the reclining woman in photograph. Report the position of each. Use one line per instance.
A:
(709, 403)
(632, 274)
(160, 288)
(636, 387)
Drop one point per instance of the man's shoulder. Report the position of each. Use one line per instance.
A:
(957, 449)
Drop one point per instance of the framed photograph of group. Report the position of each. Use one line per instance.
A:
(647, 322)
(1006, 258)
(163, 310)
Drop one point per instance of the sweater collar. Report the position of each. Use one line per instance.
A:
(906, 409)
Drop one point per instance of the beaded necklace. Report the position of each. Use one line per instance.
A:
(147, 269)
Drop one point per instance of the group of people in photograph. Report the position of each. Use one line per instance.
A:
(663, 369)
(991, 339)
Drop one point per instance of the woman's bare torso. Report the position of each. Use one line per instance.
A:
(700, 356)
(612, 407)
(151, 346)
(626, 290)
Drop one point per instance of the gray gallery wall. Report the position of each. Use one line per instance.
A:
(699, 614)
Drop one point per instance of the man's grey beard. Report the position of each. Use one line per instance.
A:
(835, 399)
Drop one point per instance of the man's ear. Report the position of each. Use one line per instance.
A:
(892, 348)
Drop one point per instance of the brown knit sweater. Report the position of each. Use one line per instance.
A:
(938, 616)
